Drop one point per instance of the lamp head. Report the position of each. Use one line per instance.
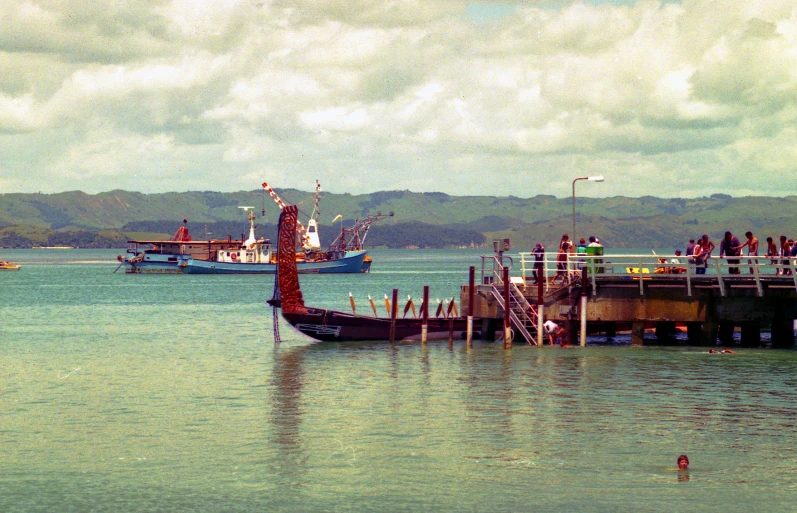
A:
(595, 178)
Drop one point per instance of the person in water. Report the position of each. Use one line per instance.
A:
(683, 462)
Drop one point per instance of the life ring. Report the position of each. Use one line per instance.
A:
(234, 256)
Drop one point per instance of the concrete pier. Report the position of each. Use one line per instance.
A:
(713, 309)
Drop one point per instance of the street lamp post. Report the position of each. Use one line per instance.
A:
(591, 179)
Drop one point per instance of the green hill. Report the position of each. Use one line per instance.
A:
(421, 219)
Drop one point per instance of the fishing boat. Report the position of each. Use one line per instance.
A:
(254, 256)
(336, 326)
(8, 266)
(182, 254)
(165, 257)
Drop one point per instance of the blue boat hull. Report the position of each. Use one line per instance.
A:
(353, 262)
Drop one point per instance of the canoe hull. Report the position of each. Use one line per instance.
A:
(335, 326)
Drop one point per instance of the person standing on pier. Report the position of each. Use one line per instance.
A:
(730, 247)
(785, 249)
(752, 248)
(539, 263)
(708, 247)
(581, 250)
(690, 251)
(565, 248)
(699, 258)
(772, 253)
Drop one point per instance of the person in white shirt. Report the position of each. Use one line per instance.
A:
(554, 331)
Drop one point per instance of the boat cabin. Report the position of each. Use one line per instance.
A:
(257, 253)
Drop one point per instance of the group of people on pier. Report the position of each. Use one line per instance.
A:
(566, 248)
(698, 253)
(730, 247)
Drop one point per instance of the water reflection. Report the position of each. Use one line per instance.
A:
(286, 413)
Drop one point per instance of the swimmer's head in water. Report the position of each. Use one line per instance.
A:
(683, 462)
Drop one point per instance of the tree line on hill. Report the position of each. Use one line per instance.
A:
(429, 219)
(402, 235)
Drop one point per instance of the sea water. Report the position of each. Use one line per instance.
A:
(166, 393)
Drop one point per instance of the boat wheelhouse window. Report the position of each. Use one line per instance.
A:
(311, 229)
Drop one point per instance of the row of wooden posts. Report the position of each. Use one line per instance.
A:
(452, 310)
(392, 308)
(452, 307)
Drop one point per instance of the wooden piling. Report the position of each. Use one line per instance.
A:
(583, 308)
(425, 315)
(471, 287)
(507, 326)
(393, 315)
(540, 308)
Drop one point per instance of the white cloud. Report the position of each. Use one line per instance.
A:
(399, 94)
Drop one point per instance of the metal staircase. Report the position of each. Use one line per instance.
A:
(522, 314)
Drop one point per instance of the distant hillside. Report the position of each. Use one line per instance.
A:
(421, 219)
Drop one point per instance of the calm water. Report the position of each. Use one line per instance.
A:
(166, 393)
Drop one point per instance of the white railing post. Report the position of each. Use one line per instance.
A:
(545, 270)
(757, 276)
(719, 276)
(688, 278)
(793, 274)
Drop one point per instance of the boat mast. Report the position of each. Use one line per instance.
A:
(250, 242)
(300, 229)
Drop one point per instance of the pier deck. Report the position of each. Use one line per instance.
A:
(607, 293)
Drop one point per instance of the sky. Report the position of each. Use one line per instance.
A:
(663, 98)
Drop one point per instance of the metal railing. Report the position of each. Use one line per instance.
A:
(493, 271)
(676, 268)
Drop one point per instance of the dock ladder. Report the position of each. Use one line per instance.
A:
(522, 314)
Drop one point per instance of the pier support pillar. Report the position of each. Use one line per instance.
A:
(782, 333)
(708, 335)
(665, 331)
(611, 330)
(725, 332)
(582, 336)
(488, 329)
(693, 330)
(571, 332)
(751, 334)
(637, 333)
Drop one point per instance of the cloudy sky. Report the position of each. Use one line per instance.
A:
(668, 98)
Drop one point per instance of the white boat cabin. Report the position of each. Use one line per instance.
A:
(256, 253)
